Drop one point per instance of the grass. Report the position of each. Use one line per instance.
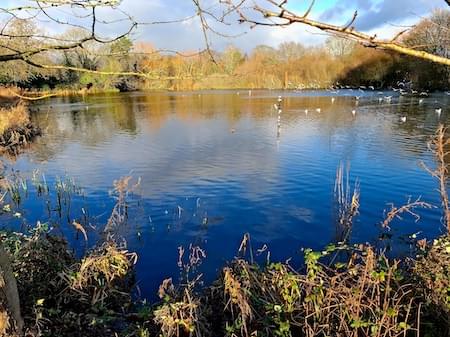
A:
(16, 129)
(16, 116)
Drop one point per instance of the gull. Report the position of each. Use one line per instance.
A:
(275, 106)
(403, 119)
(318, 110)
(353, 112)
(421, 101)
(306, 111)
(279, 99)
(438, 111)
(333, 99)
(371, 87)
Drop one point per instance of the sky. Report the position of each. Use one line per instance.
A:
(385, 17)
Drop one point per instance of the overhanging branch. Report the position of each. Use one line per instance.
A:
(285, 17)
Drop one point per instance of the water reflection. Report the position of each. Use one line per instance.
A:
(216, 157)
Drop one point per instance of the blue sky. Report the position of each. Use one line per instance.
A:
(381, 16)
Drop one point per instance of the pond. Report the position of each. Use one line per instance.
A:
(213, 166)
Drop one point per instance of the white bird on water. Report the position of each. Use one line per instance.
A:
(438, 111)
(421, 101)
(333, 99)
(306, 111)
(318, 110)
(353, 112)
(403, 119)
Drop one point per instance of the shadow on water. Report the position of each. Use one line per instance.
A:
(213, 168)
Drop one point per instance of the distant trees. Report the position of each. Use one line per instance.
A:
(431, 35)
(339, 47)
(78, 56)
(231, 58)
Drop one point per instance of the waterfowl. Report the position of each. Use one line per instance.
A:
(403, 119)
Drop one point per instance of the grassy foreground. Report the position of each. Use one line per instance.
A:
(364, 294)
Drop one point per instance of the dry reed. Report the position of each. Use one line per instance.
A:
(439, 145)
(13, 117)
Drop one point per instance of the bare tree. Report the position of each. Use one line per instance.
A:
(278, 15)
(80, 27)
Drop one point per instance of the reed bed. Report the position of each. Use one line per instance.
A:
(16, 129)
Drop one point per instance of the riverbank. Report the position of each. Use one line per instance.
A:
(16, 128)
(343, 291)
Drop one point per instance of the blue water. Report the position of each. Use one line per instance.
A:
(213, 167)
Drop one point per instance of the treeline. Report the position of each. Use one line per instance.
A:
(289, 66)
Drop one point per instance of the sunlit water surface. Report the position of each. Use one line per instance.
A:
(213, 167)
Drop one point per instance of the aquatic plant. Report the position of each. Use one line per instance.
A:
(95, 278)
(347, 201)
(122, 188)
(439, 145)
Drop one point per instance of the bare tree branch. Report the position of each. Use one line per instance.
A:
(282, 16)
